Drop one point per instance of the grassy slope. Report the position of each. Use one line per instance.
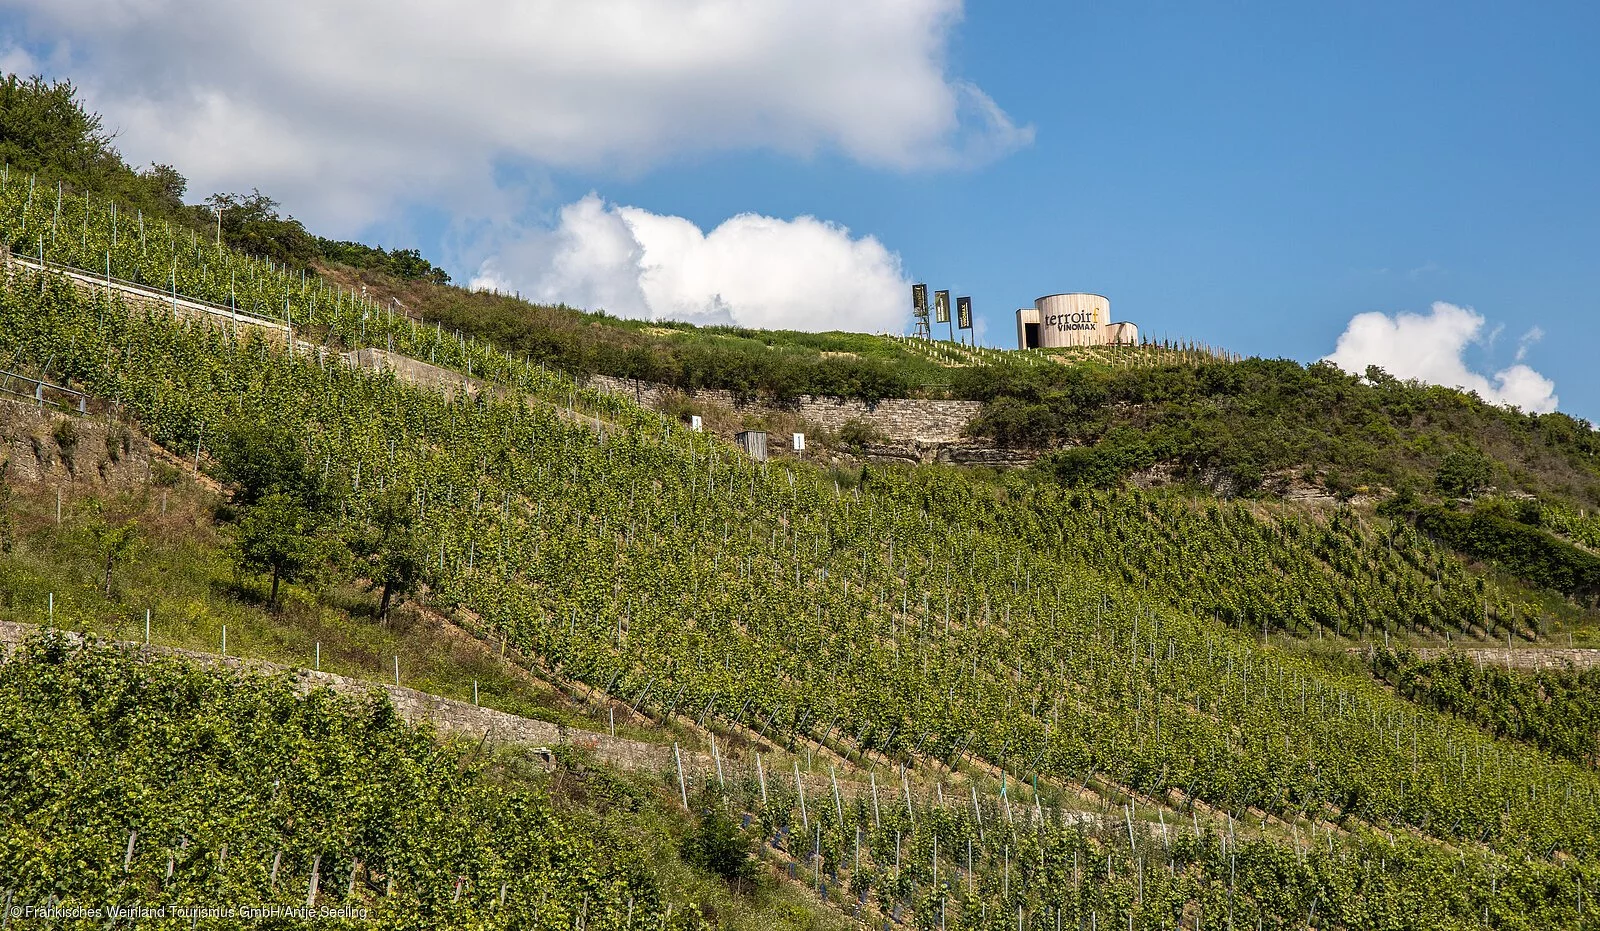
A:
(748, 362)
(182, 572)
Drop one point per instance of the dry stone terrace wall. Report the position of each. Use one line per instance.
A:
(903, 419)
(137, 294)
(412, 370)
(101, 453)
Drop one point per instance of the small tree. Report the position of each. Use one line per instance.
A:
(112, 541)
(276, 537)
(115, 541)
(717, 846)
(1463, 473)
(259, 459)
(389, 548)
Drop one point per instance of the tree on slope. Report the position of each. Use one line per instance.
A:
(276, 537)
(388, 547)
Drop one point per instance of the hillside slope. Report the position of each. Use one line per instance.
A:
(1049, 642)
(927, 616)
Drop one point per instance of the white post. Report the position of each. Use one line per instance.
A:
(224, 639)
(52, 603)
(800, 788)
(683, 786)
(318, 666)
(146, 626)
(397, 670)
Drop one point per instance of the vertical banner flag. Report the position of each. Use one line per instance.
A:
(941, 306)
(964, 313)
(919, 300)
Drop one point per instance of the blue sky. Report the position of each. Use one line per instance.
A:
(1250, 180)
(1249, 175)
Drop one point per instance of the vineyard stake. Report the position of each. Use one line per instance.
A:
(799, 787)
(683, 786)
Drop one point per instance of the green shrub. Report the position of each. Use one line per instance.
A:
(65, 433)
(1463, 474)
(857, 433)
(717, 846)
(1529, 552)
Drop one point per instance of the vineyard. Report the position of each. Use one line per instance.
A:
(1557, 710)
(1055, 640)
(131, 779)
(1146, 355)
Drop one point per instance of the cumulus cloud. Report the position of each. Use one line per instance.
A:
(1429, 347)
(344, 109)
(750, 270)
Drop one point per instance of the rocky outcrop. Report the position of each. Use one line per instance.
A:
(917, 452)
(44, 445)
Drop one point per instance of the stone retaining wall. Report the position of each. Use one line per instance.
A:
(904, 419)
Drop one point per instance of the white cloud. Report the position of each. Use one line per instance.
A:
(1429, 348)
(343, 110)
(14, 60)
(750, 270)
(1527, 341)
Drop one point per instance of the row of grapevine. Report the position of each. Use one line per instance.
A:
(997, 865)
(923, 617)
(1342, 577)
(141, 780)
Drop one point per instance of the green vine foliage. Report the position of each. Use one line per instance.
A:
(131, 779)
(1068, 636)
(1557, 710)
